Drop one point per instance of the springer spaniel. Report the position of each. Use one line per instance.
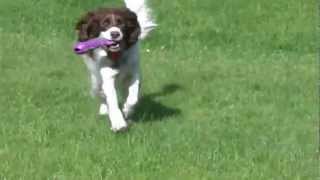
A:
(118, 64)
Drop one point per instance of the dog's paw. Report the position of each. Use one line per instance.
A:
(119, 126)
(127, 111)
(125, 114)
(103, 110)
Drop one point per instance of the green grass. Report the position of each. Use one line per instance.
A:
(229, 92)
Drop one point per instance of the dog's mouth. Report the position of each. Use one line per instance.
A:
(114, 47)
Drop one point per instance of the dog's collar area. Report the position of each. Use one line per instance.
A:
(114, 56)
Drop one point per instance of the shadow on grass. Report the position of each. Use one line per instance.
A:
(150, 110)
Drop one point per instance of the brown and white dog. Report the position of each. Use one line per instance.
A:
(117, 65)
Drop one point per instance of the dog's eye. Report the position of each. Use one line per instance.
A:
(119, 21)
(106, 22)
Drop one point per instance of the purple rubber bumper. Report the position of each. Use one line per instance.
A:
(83, 47)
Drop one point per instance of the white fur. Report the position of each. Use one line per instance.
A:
(107, 34)
(103, 110)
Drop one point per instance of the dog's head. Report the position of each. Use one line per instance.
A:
(117, 24)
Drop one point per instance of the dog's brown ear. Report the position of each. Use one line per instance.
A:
(87, 27)
(132, 27)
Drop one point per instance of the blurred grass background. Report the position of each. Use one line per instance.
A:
(229, 92)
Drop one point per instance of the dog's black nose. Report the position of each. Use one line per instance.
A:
(114, 34)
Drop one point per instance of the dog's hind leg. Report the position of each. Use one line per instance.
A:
(132, 87)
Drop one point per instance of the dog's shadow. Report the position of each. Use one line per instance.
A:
(148, 109)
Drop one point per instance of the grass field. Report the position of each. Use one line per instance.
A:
(229, 92)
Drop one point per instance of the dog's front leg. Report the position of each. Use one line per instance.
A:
(108, 86)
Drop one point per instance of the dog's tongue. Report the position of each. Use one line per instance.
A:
(114, 55)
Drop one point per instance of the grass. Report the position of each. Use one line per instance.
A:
(229, 92)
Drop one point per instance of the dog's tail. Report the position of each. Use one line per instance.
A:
(143, 12)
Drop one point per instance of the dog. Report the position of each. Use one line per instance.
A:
(117, 66)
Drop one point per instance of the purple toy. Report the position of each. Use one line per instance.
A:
(83, 47)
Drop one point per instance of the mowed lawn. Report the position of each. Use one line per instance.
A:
(229, 92)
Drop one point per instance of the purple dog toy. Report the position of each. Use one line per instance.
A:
(83, 47)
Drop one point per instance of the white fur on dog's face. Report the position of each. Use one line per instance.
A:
(108, 35)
